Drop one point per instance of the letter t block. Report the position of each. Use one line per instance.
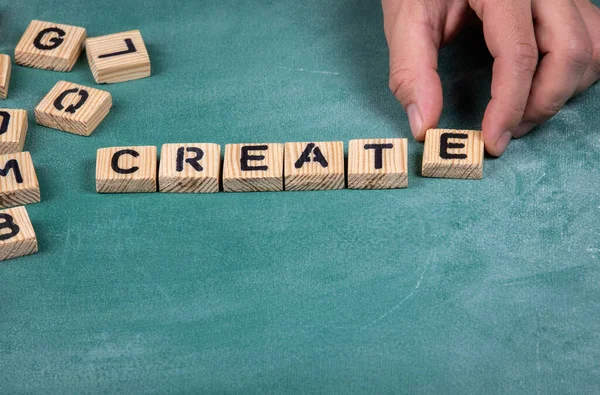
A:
(377, 164)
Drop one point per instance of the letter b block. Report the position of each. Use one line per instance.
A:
(377, 164)
(453, 154)
(253, 167)
(193, 168)
(17, 237)
(126, 169)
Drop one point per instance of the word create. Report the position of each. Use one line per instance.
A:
(17, 237)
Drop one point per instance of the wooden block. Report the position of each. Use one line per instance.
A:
(453, 154)
(192, 168)
(314, 166)
(13, 130)
(17, 237)
(50, 46)
(118, 57)
(18, 181)
(253, 167)
(73, 108)
(126, 169)
(5, 67)
(378, 163)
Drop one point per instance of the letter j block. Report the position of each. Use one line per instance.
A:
(453, 154)
(126, 169)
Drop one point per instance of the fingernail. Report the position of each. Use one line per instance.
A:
(523, 129)
(415, 119)
(502, 143)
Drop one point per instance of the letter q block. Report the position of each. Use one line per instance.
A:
(17, 237)
(126, 169)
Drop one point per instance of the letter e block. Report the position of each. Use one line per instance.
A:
(73, 108)
(126, 169)
(50, 46)
(314, 166)
(118, 57)
(253, 167)
(17, 237)
(191, 168)
(18, 181)
(5, 68)
(378, 163)
(13, 130)
(453, 154)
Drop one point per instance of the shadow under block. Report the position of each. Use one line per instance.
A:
(453, 154)
(73, 108)
(118, 57)
(13, 130)
(253, 167)
(314, 166)
(18, 181)
(5, 68)
(189, 168)
(50, 46)
(17, 237)
(126, 169)
(378, 163)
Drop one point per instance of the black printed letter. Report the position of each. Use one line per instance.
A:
(5, 120)
(192, 161)
(9, 222)
(246, 157)
(14, 165)
(379, 152)
(114, 163)
(130, 49)
(445, 145)
(56, 41)
(317, 156)
(72, 108)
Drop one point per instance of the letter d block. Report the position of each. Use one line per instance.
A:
(314, 166)
(378, 164)
(17, 237)
(13, 130)
(50, 46)
(453, 154)
(193, 168)
(126, 169)
(18, 181)
(5, 67)
(253, 167)
(73, 108)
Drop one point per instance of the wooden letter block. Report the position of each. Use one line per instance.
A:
(5, 68)
(378, 164)
(314, 166)
(13, 130)
(73, 108)
(192, 168)
(18, 181)
(118, 57)
(453, 154)
(17, 237)
(253, 167)
(50, 46)
(126, 169)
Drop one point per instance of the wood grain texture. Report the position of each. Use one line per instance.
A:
(15, 191)
(61, 58)
(17, 234)
(84, 120)
(237, 180)
(362, 167)
(13, 139)
(141, 180)
(469, 144)
(5, 70)
(312, 175)
(187, 179)
(127, 63)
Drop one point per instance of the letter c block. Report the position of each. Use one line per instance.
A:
(126, 169)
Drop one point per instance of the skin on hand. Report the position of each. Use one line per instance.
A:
(545, 52)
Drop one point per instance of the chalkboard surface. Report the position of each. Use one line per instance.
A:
(448, 286)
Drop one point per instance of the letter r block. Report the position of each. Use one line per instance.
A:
(453, 154)
(314, 166)
(253, 167)
(17, 237)
(192, 168)
(18, 181)
(377, 164)
(126, 169)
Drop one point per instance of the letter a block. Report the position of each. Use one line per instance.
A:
(192, 168)
(18, 181)
(50, 46)
(118, 57)
(17, 237)
(5, 68)
(73, 108)
(314, 166)
(253, 167)
(13, 130)
(453, 154)
(126, 169)
(378, 164)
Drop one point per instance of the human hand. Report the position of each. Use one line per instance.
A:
(525, 92)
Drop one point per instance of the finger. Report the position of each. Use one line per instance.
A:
(508, 31)
(591, 17)
(564, 42)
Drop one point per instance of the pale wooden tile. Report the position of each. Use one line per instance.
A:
(13, 130)
(5, 69)
(253, 167)
(377, 163)
(17, 237)
(126, 169)
(453, 154)
(191, 168)
(18, 181)
(314, 166)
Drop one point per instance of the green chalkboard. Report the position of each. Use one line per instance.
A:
(448, 286)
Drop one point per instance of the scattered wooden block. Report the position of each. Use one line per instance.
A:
(5, 67)
(13, 130)
(17, 237)
(253, 167)
(314, 166)
(192, 168)
(378, 163)
(453, 154)
(118, 57)
(73, 108)
(50, 46)
(18, 181)
(126, 169)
